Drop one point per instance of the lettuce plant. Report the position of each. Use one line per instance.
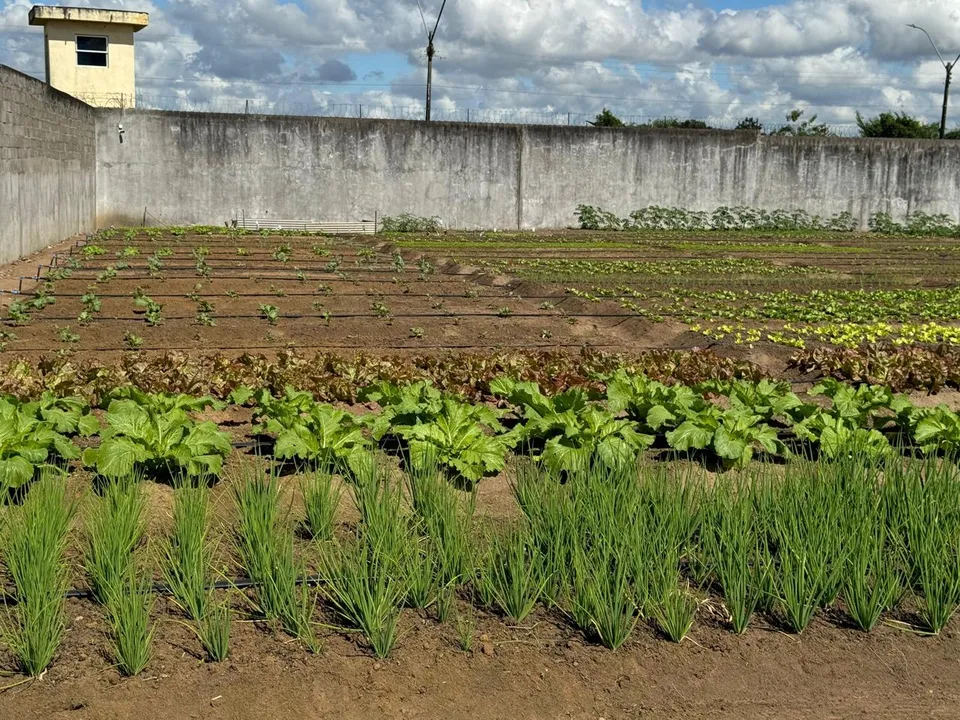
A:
(155, 433)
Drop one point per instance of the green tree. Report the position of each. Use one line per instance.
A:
(605, 118)
(799, 127)
(676, 124)
(896, 125)
(749, 123)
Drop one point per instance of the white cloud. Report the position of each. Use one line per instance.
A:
(832, 56)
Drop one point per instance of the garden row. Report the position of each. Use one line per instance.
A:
(746, 218)
(726, 421)
(860, 539)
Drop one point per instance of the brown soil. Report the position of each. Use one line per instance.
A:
(541, 670)
(544, 669)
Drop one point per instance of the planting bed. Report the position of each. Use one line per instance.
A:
(716, 546)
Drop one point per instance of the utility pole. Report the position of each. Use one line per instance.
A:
(946, 83)
(430, 51)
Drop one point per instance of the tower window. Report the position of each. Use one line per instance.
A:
(91, 50)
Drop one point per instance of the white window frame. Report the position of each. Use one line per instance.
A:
(105, 53)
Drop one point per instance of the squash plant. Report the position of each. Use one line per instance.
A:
(155, 433)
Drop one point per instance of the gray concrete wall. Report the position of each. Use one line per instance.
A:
(47, 165)
(623, 170)
(207, 168)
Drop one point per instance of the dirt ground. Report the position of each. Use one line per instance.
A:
(540, 670)
(543, 668)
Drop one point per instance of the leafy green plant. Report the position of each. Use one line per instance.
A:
(270, 313)
(456, 442)
(405, 222)
(132, 340)
(734, 435)
(66, 335)
(566, 431)
(154, 432)
(30, 443)
(92, 250)
(283, 253)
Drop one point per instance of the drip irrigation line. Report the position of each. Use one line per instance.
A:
(313, 294)
(351, 316)
(238, 583)
(463, 278)
(367, 348)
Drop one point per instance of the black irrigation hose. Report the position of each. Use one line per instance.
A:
(298, 346)
(353, 316)
(238, 583)
(443, 276)
(314, 294)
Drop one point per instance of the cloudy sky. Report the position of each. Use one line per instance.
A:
(717, 59)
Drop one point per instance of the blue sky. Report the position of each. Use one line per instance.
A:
(718, 59)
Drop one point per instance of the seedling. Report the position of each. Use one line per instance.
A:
(416, 332)
(398, 264)
(270, 313)
(242, 252)
(128, 251)
(154, 265)
(504, 312)
(319, 250)
(232, 294)
(109, 274)
(5, 337)
(334, 264)
(426, 268)
(324, 289)
(301, 276)
(380, 309)
(283, 253)
(132, 341)
(66, 335)
(18, 313)
(279, 292)
(93, 250)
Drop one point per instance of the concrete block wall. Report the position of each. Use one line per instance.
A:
(207, 168)
(47, 165)
(185, 168)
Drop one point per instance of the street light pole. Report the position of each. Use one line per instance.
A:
(430, 51)
(948, 66)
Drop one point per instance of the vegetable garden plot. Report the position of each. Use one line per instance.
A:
(238, 292)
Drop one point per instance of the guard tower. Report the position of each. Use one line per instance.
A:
(89, 52)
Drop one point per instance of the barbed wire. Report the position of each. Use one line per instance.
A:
(176, 103)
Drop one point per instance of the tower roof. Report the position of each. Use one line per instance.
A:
(42, 14)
